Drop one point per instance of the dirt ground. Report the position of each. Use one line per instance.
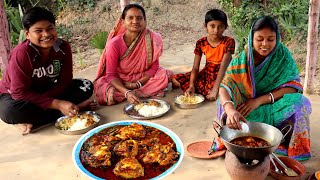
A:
(180, 22)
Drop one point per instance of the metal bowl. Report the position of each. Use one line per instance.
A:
(80, 131)
(77, 147)
(256, 129)
(189, 106)
(131, 112)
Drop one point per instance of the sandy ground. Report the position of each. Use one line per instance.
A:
(46, 154)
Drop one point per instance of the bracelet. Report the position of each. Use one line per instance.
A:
(272, 98)
(226, 103)
(126, 94)
(140, 84)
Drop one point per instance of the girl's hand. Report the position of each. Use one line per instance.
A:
(212, 94)
(68, 108)
(189, 91)
(132, 98)
(234, 118)
(247, 107)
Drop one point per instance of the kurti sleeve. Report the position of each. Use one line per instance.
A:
(198, 50)
(230, 46)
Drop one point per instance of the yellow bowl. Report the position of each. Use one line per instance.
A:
(317, 175)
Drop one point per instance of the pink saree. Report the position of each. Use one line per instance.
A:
(144, 51)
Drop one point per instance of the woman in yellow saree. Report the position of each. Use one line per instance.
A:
(129, 67)
(263, 85)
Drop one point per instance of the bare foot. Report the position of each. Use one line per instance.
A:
(175, 83)
(24, 128)
(89, 104)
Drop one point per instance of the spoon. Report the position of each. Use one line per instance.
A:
(275, 166)
(244, 127)
(287, 170)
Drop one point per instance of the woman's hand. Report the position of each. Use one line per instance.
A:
(247, 107)
(68, 108)
(189, 91)
(212, 94)
(130, 85)
(132, 98)
(234, 118)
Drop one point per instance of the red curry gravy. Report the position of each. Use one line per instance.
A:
(150, 170)
(250, 141)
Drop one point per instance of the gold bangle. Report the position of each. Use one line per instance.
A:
(272, 98)
(226, 103)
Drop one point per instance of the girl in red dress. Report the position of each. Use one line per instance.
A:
(218, 50)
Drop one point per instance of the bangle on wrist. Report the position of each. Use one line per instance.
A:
(126, 94)
(271, 98)
(140, 84)
(226, 103)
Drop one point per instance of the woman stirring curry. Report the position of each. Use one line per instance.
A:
(129, 67)
(263, 85)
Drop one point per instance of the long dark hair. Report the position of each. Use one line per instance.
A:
(129, 6)
(265, 22)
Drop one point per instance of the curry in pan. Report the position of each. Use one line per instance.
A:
(250, 141)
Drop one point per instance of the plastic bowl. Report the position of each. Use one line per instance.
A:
(290, 163)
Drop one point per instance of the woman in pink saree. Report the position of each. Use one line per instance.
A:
(129, 66)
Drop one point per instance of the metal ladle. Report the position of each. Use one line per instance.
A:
(275, 166)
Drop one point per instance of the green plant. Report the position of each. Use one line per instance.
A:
(156, 11)
(81, 59)
(300, 68)
(14, 16)
(99, 40)
(292, 17)
(81, 21)
(64, 32)
(79, 5)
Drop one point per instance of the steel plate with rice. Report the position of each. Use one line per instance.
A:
(79, 124)
(189, 102)
(128, 149)
(148, 109)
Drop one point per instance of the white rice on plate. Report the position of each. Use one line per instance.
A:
(77, 122)
(149, 111)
